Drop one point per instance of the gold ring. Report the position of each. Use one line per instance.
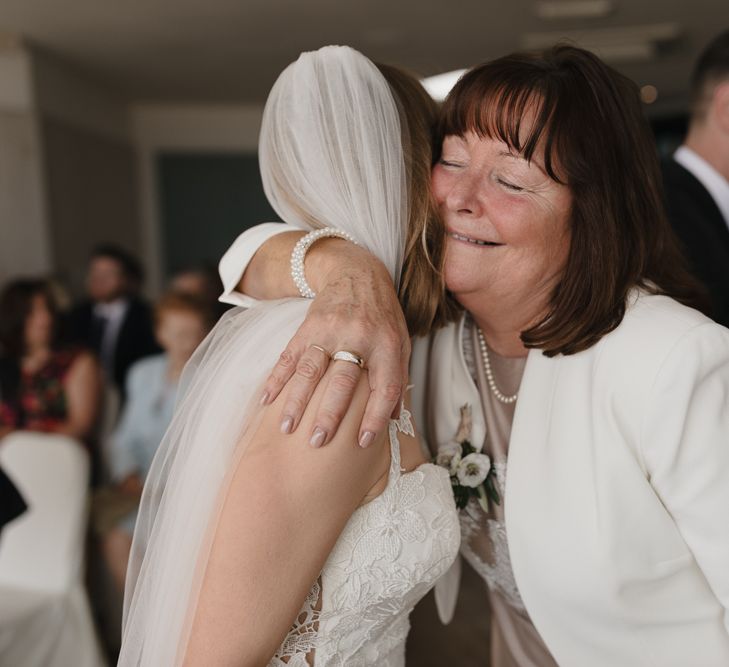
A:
(344, 355)
(321, 349)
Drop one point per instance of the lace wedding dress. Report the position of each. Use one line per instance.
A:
(391, 552)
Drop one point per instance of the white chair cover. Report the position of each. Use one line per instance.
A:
(44, 611)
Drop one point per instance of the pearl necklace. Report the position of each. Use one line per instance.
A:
(502, 398)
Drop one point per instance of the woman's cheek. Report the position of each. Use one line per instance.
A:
(439, 183)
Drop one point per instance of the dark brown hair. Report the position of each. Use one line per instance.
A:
(711, 68)
(16, 302)
(585, 121)
(130, 266)
(422, 290)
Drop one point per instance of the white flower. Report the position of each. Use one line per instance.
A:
(449, 456)
(473, 469)
(455, 462)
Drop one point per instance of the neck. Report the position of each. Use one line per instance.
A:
(174, 368)
(711, 146)
(501, 330)
(504, 315)
(505, 342)
(34, 350)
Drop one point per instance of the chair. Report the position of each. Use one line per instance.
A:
(44, 611)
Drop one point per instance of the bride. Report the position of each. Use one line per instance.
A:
(252, 549)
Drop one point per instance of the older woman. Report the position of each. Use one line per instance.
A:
(579, 355)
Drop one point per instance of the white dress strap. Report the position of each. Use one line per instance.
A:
(402, 425)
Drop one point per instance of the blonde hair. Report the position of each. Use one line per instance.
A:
(422, 293)
(188, 303)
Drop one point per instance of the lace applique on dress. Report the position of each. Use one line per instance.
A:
(389, 555)
(300, 643)
(485, 546)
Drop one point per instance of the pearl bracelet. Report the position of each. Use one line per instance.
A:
(300, 250)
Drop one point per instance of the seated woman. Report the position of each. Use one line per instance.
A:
(181, 323)
(44, 385)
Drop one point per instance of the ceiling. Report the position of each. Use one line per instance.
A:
(232, 50)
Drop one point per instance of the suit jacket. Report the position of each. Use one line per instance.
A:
(617, 487)
(135, 340)
(703, 232)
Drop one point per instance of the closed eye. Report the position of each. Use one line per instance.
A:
(509, 186)
(448, 163)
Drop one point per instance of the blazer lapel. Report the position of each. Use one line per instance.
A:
(528, 461)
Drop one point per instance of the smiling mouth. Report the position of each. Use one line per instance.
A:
(468, 239)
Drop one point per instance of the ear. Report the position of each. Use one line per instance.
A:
(720, 106)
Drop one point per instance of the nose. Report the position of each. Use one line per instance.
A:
(463, 198)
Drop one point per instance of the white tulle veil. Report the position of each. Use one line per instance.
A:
(331, 154)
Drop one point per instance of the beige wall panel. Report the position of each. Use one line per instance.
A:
(24, 248)
(92, 190)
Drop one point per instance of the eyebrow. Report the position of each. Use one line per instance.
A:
(519, 157)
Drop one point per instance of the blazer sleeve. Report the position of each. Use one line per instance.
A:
(235, 260)
(685, 444)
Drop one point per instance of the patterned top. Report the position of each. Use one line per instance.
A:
(390, 554)
(41, 401)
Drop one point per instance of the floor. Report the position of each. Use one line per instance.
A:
(464, 642)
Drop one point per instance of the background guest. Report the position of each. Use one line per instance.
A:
(182, 321)
(200, 281)
(696, 178)
(44, 385)
(114, 321)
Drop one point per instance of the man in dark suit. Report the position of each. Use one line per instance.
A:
(696, 178)
(114, 321)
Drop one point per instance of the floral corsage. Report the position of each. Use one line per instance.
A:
(472, 472)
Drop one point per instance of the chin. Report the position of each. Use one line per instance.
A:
(460, 280)
(459, 272)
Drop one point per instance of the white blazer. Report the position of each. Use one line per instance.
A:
(617, 490)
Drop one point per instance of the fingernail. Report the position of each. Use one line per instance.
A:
(318, 437)
(287, 424)
(365, 440)
(264, 398)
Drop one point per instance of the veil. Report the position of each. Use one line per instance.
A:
(331, 154)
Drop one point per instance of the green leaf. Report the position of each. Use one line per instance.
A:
(491, 489)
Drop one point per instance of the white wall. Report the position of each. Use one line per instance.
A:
(67, 166)
(24, 241)
(72, 98)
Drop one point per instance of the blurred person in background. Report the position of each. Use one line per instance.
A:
(201, 281)
(114, 321)
(44, 385)
(696, 178)
(181, 323)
